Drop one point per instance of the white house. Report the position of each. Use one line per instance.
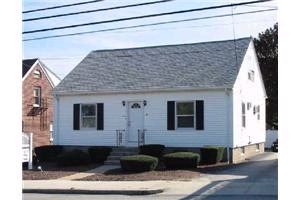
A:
(188, 95)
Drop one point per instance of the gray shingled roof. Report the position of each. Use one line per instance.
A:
(199, 65)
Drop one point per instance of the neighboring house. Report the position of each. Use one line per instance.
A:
(188, 95)
(38, 82)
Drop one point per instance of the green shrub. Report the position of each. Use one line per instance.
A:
(181, 160)
(211, 154)
(47, 153)
(99, 154)
(155, 150)
(73, 158)
(138, 163)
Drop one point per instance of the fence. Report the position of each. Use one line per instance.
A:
(271, 136)
(27, 149)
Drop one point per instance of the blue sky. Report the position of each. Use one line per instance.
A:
(63, 54)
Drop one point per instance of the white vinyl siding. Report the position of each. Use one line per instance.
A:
(155, 119)
(248, 91)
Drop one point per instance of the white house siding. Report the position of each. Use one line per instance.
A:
(253, 92)
(155, 119)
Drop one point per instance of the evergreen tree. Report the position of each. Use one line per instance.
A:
(266, 46)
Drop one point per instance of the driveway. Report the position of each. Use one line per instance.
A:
(256, 179)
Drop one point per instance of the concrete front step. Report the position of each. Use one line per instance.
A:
(117, 153)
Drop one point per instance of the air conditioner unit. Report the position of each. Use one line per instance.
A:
(36, 105)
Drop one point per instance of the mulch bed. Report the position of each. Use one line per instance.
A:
(52, 171)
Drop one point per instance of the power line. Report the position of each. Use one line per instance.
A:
(95, 10)
(145, 25)
(61, 6)
(143, 16)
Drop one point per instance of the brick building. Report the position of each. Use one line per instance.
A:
(38, 82)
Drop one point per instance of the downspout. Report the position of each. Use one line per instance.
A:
(227, 92)
(56, 120)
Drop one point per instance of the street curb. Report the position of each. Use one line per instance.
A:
(82, 191)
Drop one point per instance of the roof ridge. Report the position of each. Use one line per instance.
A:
(169, 45)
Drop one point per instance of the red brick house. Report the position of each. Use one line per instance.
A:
(38, 82)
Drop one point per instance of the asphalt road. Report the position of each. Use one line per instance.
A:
(252, 180)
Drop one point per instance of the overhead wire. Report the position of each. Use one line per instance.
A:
(61, 6)
(143, 16)
(150, 24)
(95, 10)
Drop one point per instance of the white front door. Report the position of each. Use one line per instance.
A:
(135, 120)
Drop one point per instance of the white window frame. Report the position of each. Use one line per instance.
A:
(82, 117)
(251, 75)
(243, 115)
(37, 74)
(190, 115)
(258, 112)
(37, 97)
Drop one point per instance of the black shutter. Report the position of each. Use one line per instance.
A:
(171, 115)
(76, 116)
(200, 115)
(100, 116)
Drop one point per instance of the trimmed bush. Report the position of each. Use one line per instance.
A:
(181, 160)
(211, 154)
(73, 158)
(138, 163)
(48, 153)
(155, 150)
(99, 154)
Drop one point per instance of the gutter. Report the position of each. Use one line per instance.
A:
(56, 120)
(131, 91)
(228, 92)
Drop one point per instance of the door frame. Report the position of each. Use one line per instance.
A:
(129, 104)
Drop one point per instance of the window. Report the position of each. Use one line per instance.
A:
(88, 115)
(36, 96)
(242, 149)
(257, 147)
(258, 112)
(243, 114)
(37, 74)
(135, 106)
(185, 114)
(251, 75)
(249, 105)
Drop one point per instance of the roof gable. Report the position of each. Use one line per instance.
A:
(200, 65)
(29, 64)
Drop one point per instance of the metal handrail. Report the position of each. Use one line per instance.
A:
(141, 136)
(119, 137)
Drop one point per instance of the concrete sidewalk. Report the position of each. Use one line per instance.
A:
(67, 185)
(113, 187)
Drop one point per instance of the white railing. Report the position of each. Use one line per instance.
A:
(120, 137)
(141, 136)
(27, 149)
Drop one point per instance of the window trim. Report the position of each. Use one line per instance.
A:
(251, 75)
(37, 74)
(243, 115)
(194, 115)
(38, 97)
(81, 117)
